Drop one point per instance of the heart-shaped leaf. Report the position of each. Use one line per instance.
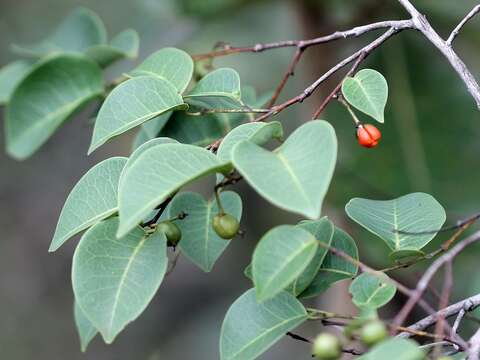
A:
(45, 98)
(158, 173)
(404, 349)
(115, 279)
(199, 241)
(399, 220)
(92, 199)
(322, 230)
(334, 268)
(131, 104)
(371, 291)
(257, 132)
(249, 329)
(10, 77)
(85, 328)
(280, 257)
(171, 64)
(296, 176)
(124, 45)
(368, 92)
(76, 33)
(219, 89)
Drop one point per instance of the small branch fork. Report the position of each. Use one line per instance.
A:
(416, 22)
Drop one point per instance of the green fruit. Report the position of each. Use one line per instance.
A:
(373, 332)
(226, 226)
(445, 358)
(171, 231)
(327, 347)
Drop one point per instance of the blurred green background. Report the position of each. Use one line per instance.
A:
(431, 143)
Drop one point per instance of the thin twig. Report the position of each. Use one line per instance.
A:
(428, 275)
(443, 303)
(421, 23)
(467, 305)
(337, 88)
(354, 32)
(365, 51)
(461, 24)
(290, 72)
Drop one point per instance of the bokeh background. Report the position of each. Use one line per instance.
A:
(431, 143)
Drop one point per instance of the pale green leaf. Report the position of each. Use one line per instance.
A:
(296, 176)
(257, 132)
(131, 104)
(334, 268)
(141, 149)
(171, 64)
(402, 349)
(76, 33)
(196, 130)
(249, 329)
(45, 98)
(85, 328)
(10, 77)
(280, 257)
(199, 241)
(368, 92)
(150, 129)
(219, 89)
(115, 279)
(412, 213)
(322, 230)
(124, 45)
(92, 199)
(371, 291)
(156, 174)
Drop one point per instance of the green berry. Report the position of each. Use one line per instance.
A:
(373, 332)
(171, 231)
(226, 226)
(327, 347)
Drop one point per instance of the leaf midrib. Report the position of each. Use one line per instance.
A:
(122, 281)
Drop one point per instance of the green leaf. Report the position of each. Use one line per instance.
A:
(93, 198)
(142, 148)
(322, 230)
(280, 257)
(196, 130)
(219, 89)
(403, 349)
(171, 64)
(10, 76)
(115, 279)
(45, 98)
(131, 104)
(124, 45)
(299, 172)
(199, 241)
(334, 268)
(412, 213)
(249, 328)
(156, 174)
(368, 92)
(76, 33)
(86, 330)
(150, 129)
(257, 132)
(371, 291)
